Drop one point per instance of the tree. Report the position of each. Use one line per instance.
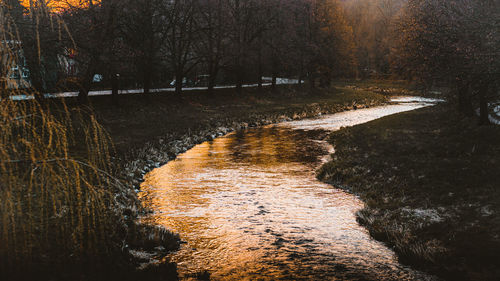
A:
(11, 15)
(455, 41)
(212, 46)
(326, 49)
(143, 30)
(274, 40)
(180, 39)
(244, 29)
(94, 27)
(372, 22)
(41, 36)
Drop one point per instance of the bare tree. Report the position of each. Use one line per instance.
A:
(373, 22)
(455, 41)
(212, 43)
(180, 39)
(244, 29)
(143, 30)
(41, 36)
(93, 26)
(326, 49)
(12, 14)
(274, 39)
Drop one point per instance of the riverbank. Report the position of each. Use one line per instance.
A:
(150, 130)
(430, 183)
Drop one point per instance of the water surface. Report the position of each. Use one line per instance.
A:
(249, 207)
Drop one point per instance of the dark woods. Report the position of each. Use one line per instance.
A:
(456, 43)
(153, 42)
(81, 45)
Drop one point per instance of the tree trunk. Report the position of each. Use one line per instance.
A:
(33, 59)
(261, 68)
(465, 99)
(37, 83)
(4, 93)
(328, 79)
(275, 66)
(83, 94)
(178, 83)
(239, 80)
(239, 68)
(261, 73)
(115, 86)
(211, 80)
(312, 81)
(483, 106)
(211, 86)
(86, 81)
(301, 74)
(146, 79)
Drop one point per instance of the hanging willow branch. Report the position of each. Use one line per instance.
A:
(57, 192)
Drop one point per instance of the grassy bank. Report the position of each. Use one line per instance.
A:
(430, 181)
(150, 130)
(137, 118)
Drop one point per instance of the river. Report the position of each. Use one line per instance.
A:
(249, 207)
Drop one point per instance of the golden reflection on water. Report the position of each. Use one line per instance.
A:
(250, 208)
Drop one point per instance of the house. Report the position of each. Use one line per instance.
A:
(15, 72)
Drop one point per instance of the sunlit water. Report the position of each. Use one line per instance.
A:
(249, 207)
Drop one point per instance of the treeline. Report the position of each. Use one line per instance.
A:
(149, 42)
(455, 43)
(373, 23)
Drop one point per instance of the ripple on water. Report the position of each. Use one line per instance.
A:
(250, 208)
